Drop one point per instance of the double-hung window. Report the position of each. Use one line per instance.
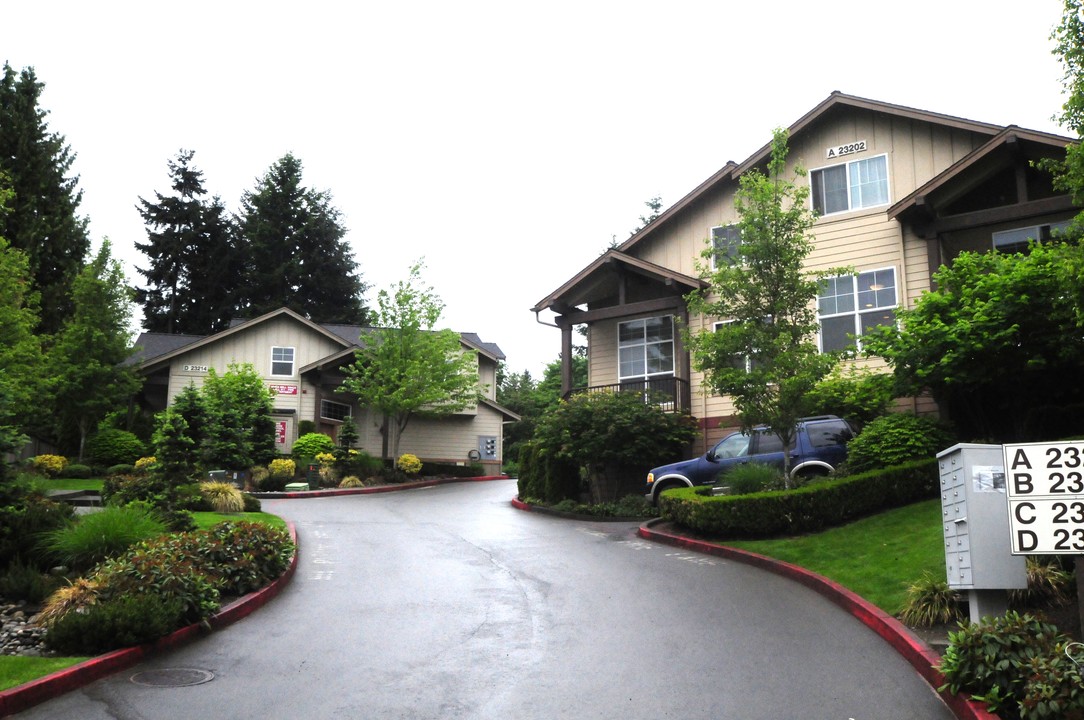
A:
(645, 348)
(850, 186)
(282, 361)
(849, 306)
(725, 245)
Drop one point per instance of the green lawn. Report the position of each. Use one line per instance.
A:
(877, 557)
(69, 484)
(205, 520)
(16, 670)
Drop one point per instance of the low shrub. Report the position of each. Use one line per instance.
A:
(49, 465)
(20, 581)
(311, 444)
(630, 506)
(806, 509)
(1003, 660)
(120, 622)
(896, 438)
(77, 471)
(351, 481)
(223, 497)
(145, 464)
(282, 469)
(252, 504)
(410, 464)
(24, 517)
(246, 556)
(100, 535)
(359, 463)
(120, 470)
(113, 447)
(753, 478)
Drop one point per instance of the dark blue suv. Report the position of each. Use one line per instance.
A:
(820, 445)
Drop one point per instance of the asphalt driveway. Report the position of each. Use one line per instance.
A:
(446, 602)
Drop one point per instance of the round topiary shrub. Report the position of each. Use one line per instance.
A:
(114, 447)
(894, 439)
(76, 471)
(312, 444)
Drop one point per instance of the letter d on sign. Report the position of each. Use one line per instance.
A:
(1026, 540)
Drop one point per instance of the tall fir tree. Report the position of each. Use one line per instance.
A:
(297, 257)
(42, 218)
(194, 263)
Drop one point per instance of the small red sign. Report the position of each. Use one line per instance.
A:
(283, 389)
(280, 432)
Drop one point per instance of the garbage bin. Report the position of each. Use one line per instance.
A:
(312, 474)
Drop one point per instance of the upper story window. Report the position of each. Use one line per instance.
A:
(726, 244)
(282, 361)
(849, 306)
(850, 186)
(1016, 240)
(645, 347)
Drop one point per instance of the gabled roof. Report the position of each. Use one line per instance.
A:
(1011, 135)
(587, 278)
(149, 340)
(833, 103)
(156, 349)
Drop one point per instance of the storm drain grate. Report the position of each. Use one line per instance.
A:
(173, 677)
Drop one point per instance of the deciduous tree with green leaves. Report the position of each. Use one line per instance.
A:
(239, 429)
(21, 370)
(85, 367)
(764, 355)
(406, 367)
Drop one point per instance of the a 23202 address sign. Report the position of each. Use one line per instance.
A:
(1045, 491)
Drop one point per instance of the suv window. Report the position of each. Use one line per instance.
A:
(732, 446)
(768, 443)
(828, 432)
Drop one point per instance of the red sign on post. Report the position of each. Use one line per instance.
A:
(280, 432)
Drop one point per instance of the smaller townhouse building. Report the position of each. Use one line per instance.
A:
(897, 193)
(301, 361)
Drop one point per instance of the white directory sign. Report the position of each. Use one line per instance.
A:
(1045, 491)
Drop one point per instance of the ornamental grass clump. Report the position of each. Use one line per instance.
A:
(930, 601)
(222, 496)
(95, 537)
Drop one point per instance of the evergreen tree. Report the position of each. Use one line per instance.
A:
(41, 219)
(193, 259)
(297, 257)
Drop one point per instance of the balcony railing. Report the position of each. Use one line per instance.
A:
(669, 393)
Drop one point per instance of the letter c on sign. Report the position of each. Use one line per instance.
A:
(1020, 518)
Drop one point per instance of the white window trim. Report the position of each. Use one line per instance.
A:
(711, 240)
(670, 373)
(850, 205)
(293, 360)
(858, 312)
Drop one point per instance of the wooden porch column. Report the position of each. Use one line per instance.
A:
(566, 356)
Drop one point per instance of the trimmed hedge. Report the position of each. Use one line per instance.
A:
(806, 509)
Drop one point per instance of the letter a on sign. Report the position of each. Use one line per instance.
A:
(1020, 460)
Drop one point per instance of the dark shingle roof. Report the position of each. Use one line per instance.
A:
(151, 345)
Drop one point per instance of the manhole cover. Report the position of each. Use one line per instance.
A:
(173, 677)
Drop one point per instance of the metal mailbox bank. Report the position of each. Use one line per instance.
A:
(975, 520)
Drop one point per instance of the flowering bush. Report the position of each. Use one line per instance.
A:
(144, 464)
(50, 465)
(410, 464)
(325, 458)
(281, 469)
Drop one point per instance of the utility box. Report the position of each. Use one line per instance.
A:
(487, 447)
(975, 521)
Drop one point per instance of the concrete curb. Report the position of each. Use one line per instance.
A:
(921, 657)
(22, 697)
(335, 492)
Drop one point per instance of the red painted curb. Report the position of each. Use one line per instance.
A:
(22, 697)
(921, 657)
(335, 492)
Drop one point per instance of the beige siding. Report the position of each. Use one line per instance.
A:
(450, 439)
(864, 239)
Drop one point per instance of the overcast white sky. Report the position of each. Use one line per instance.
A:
(504, 142)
